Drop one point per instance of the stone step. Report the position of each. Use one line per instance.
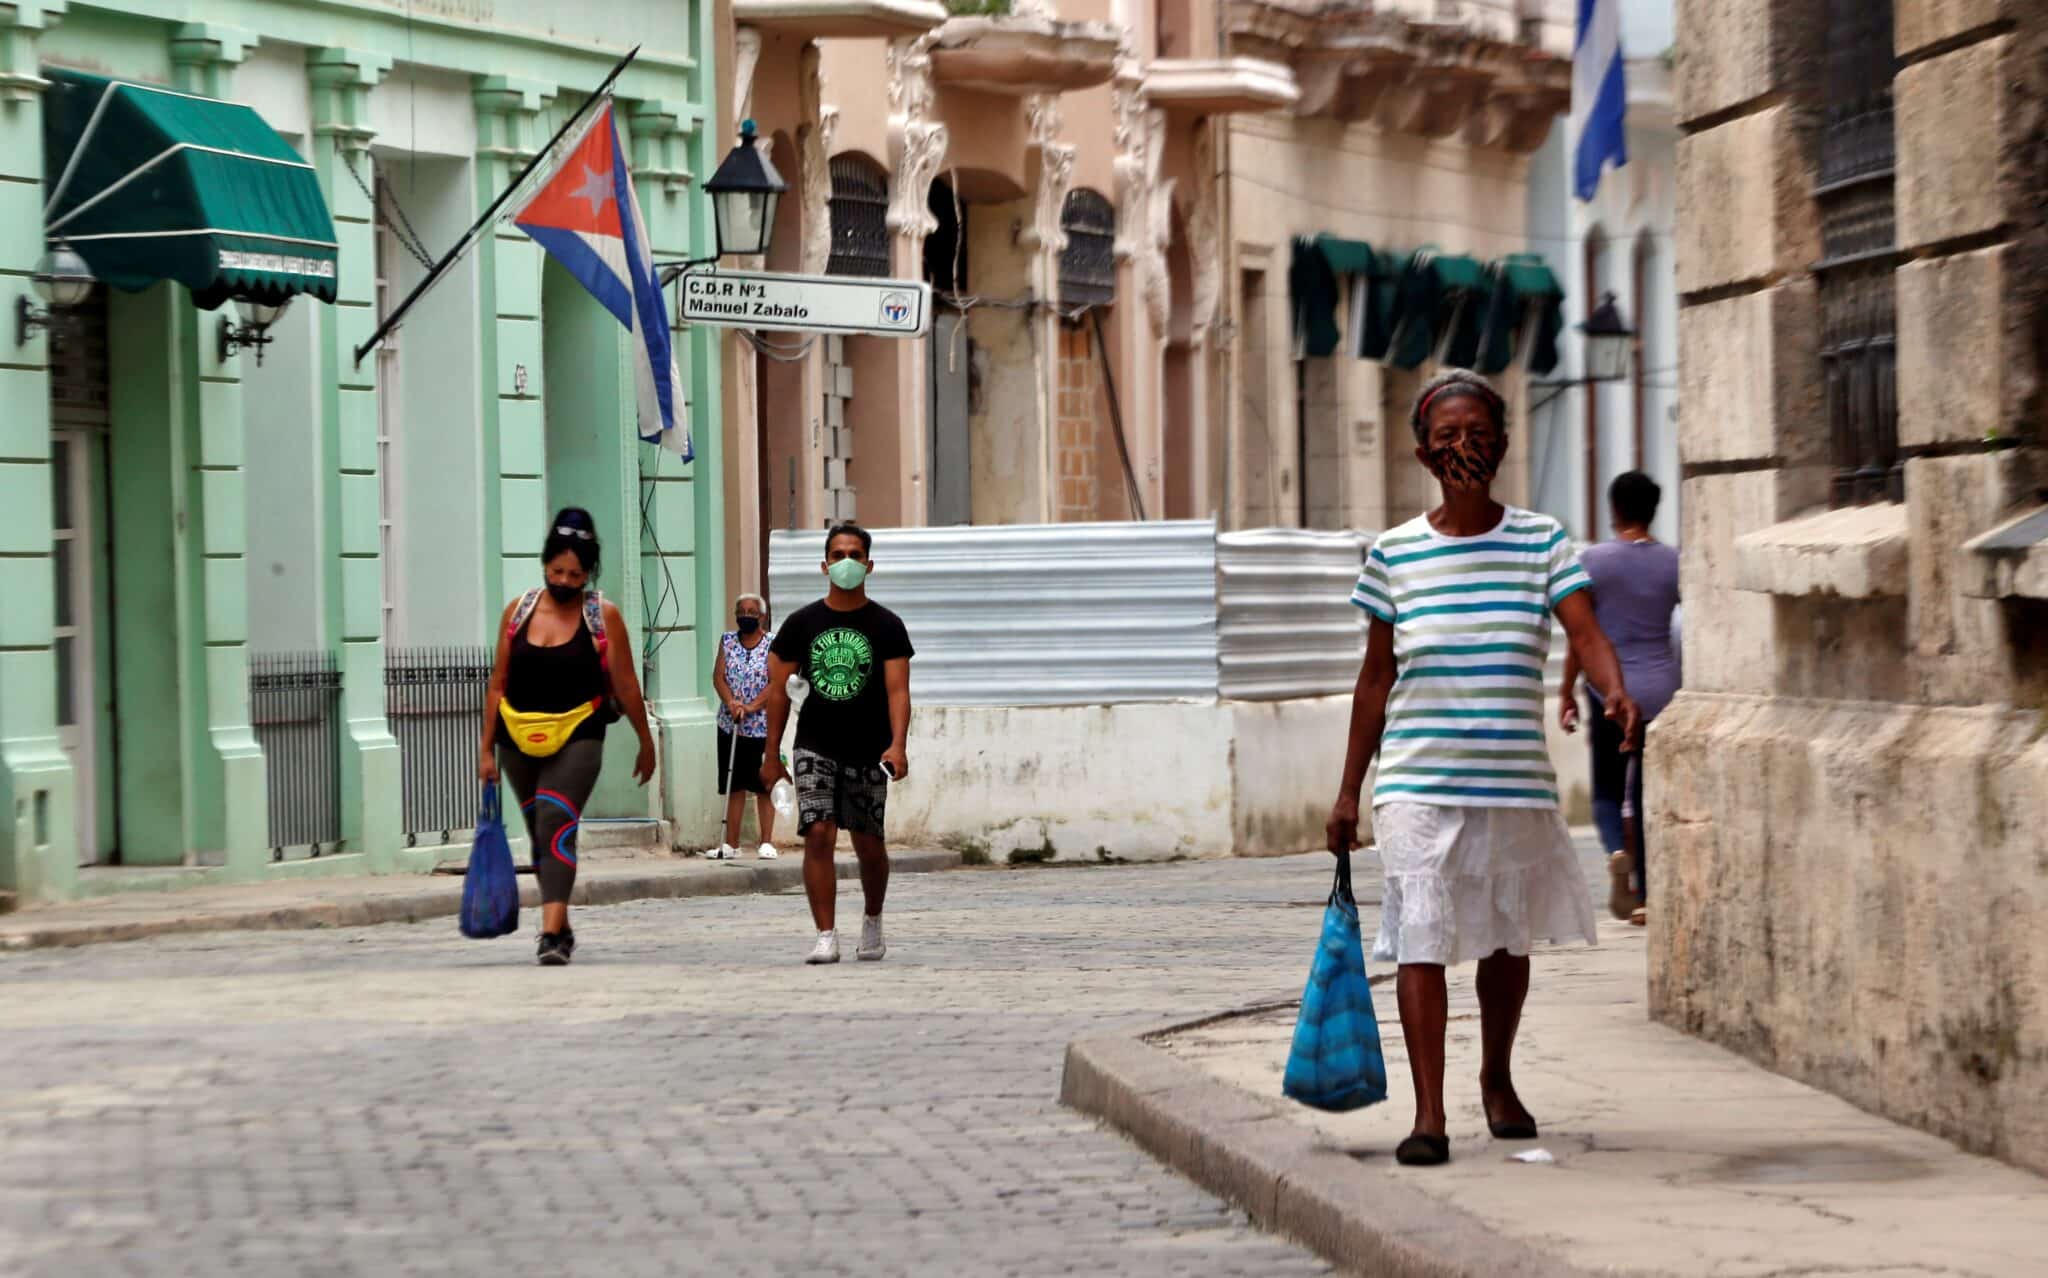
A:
(605, 840)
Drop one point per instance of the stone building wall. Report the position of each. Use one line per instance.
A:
(1849, 871)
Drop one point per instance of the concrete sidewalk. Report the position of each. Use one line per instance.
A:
(403, 898)
(1671, 1156)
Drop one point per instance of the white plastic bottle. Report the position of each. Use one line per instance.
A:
(783, 796)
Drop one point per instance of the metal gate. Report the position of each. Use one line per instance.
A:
(294, 705)
(434, 700)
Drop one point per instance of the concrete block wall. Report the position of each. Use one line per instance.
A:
(1845, 851)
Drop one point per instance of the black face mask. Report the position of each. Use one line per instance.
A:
(748, 625)
(564, 594)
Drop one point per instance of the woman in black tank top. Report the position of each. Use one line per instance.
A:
(564, 670)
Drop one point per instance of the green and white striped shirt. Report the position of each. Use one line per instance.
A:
(1471, 618)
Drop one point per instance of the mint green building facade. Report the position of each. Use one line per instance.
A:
(175, 513)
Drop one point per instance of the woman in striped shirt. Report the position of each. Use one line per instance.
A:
(1479, 864)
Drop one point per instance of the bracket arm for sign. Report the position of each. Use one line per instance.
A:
(672, 271)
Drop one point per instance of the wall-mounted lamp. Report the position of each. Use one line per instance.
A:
(253, 333)
(61, 279)
(1610, 351)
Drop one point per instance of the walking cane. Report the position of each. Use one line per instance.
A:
(732, 757)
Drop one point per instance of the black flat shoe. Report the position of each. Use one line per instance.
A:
(1511, 1130)
(1423, 1150)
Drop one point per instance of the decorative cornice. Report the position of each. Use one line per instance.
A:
(1432, 79)
(21, 27)
(746, 56)
(658, 127)
(342, 80)
(917, 142)
(814, 158)
(206, 43)
(507, 115)
(1204, 230)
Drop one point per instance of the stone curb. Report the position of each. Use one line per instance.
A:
(1354, 1214)
(444, 899)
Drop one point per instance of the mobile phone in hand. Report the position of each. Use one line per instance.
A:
(888, 769)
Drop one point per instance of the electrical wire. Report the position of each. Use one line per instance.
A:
(1434, 222)
(656, 637)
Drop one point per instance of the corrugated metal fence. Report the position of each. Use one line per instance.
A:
(1037, 615)
(1091, 614)
(1286, 626)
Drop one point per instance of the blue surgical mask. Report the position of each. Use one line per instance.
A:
(847, 574)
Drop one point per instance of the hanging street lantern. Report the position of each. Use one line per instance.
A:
(1610, 342)
(744, 193)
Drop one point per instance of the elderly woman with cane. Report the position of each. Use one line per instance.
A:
(740, 677)
(1478, 862)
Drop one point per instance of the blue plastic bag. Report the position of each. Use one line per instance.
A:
(490, 888)
(1336, 1062)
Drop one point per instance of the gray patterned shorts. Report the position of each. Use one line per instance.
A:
(845, 795)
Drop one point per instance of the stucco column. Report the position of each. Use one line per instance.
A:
(370, 788)
(1144, 221)
(508, 124)
(1048, 173)
(917, 148)
(685, 503)
(741, 472)
(38, 841)
(225, 810)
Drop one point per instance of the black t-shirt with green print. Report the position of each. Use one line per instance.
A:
(841, 655)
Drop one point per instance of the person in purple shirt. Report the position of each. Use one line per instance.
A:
(1635, 594)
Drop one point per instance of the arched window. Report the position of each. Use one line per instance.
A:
(945, 249)
(1088, 264)
(859, 208)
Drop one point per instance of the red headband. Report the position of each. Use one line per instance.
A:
(1493, 401)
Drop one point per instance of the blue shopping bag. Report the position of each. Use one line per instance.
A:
(1336, 1062)
(490, 888)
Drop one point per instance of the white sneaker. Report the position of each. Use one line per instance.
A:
(871, 947)
(826, 950)
(767, 852)
(723, 852)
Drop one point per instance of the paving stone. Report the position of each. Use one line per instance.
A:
(687, 1098)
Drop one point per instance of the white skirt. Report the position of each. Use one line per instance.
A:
(1463, 883)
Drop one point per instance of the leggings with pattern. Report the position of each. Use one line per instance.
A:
(552, 792)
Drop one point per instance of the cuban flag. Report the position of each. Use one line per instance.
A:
(1599, 96)
(587, 217)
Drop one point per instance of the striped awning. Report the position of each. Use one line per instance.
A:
(146, 183)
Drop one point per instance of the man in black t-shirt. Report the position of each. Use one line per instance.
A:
(850, 740)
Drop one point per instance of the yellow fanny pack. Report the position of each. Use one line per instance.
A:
(540, 733)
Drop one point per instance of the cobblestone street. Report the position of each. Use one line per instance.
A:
(687, 1098)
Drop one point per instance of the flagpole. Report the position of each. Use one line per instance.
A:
(490, 214)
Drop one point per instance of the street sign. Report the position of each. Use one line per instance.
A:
(805, 303)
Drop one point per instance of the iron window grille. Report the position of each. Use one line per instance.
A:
(1859, 252)
(859, 212)
(1088, 263)
(434, 701)
(294, 709)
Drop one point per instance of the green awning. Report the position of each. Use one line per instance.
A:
(1436, 294)
(1348, 257)
(1527, 304)
(149, 184)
